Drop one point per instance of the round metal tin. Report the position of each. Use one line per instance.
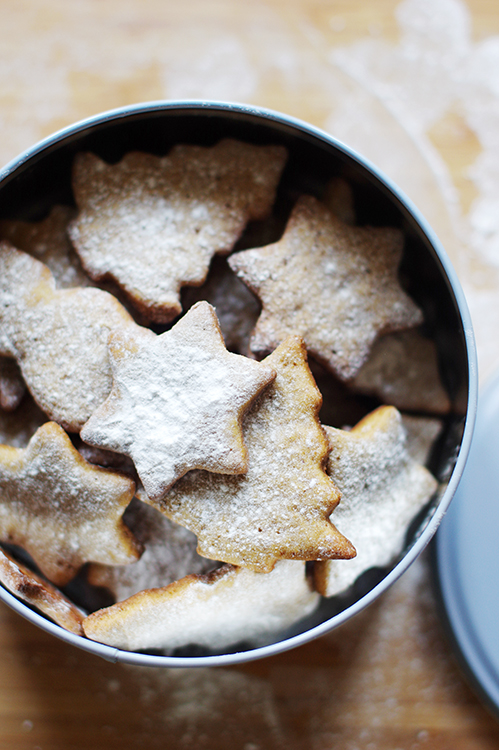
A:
(41, 176)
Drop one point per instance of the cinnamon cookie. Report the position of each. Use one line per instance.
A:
(59, 337)
(37, 592)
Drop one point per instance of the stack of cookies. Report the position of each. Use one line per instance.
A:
(184, 381)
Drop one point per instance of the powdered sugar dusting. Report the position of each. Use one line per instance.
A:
(331, 283)
(60, 509)
(59, 337)
(177, 401)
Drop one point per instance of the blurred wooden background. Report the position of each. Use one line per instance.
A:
(387, 680)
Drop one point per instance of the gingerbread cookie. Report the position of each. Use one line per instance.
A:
(402, 370)
(152, 223)
(382, 489)
(37, 592)
(62, 510)
(280, 508)
(216, 611)
(59, 337)
(177, 401)
(334, 284)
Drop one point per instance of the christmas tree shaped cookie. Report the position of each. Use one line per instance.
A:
(280, 508)
(152, 224)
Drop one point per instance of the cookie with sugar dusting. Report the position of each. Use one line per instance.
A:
(382, 489)
(334, 284)
(47, 240)
(402, 370)
(218, 610)
(169, 554)
(12, 386)
(37, 592)
(59, 337)
(152, 224)
(280, 508)
(177, 401)
(60, 509)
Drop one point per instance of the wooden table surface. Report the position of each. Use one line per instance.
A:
(386, 680)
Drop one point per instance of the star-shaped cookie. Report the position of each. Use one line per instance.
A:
(177, 401)
(334, 284)
(60, 509)
(152, 224)
(280, 508)
(217, 610)
(382, 489)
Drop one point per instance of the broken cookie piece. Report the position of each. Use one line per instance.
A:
(216, 611)
(280, 508)
(60, 509)
(382, 489)
(334, 284)
(152, 224)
